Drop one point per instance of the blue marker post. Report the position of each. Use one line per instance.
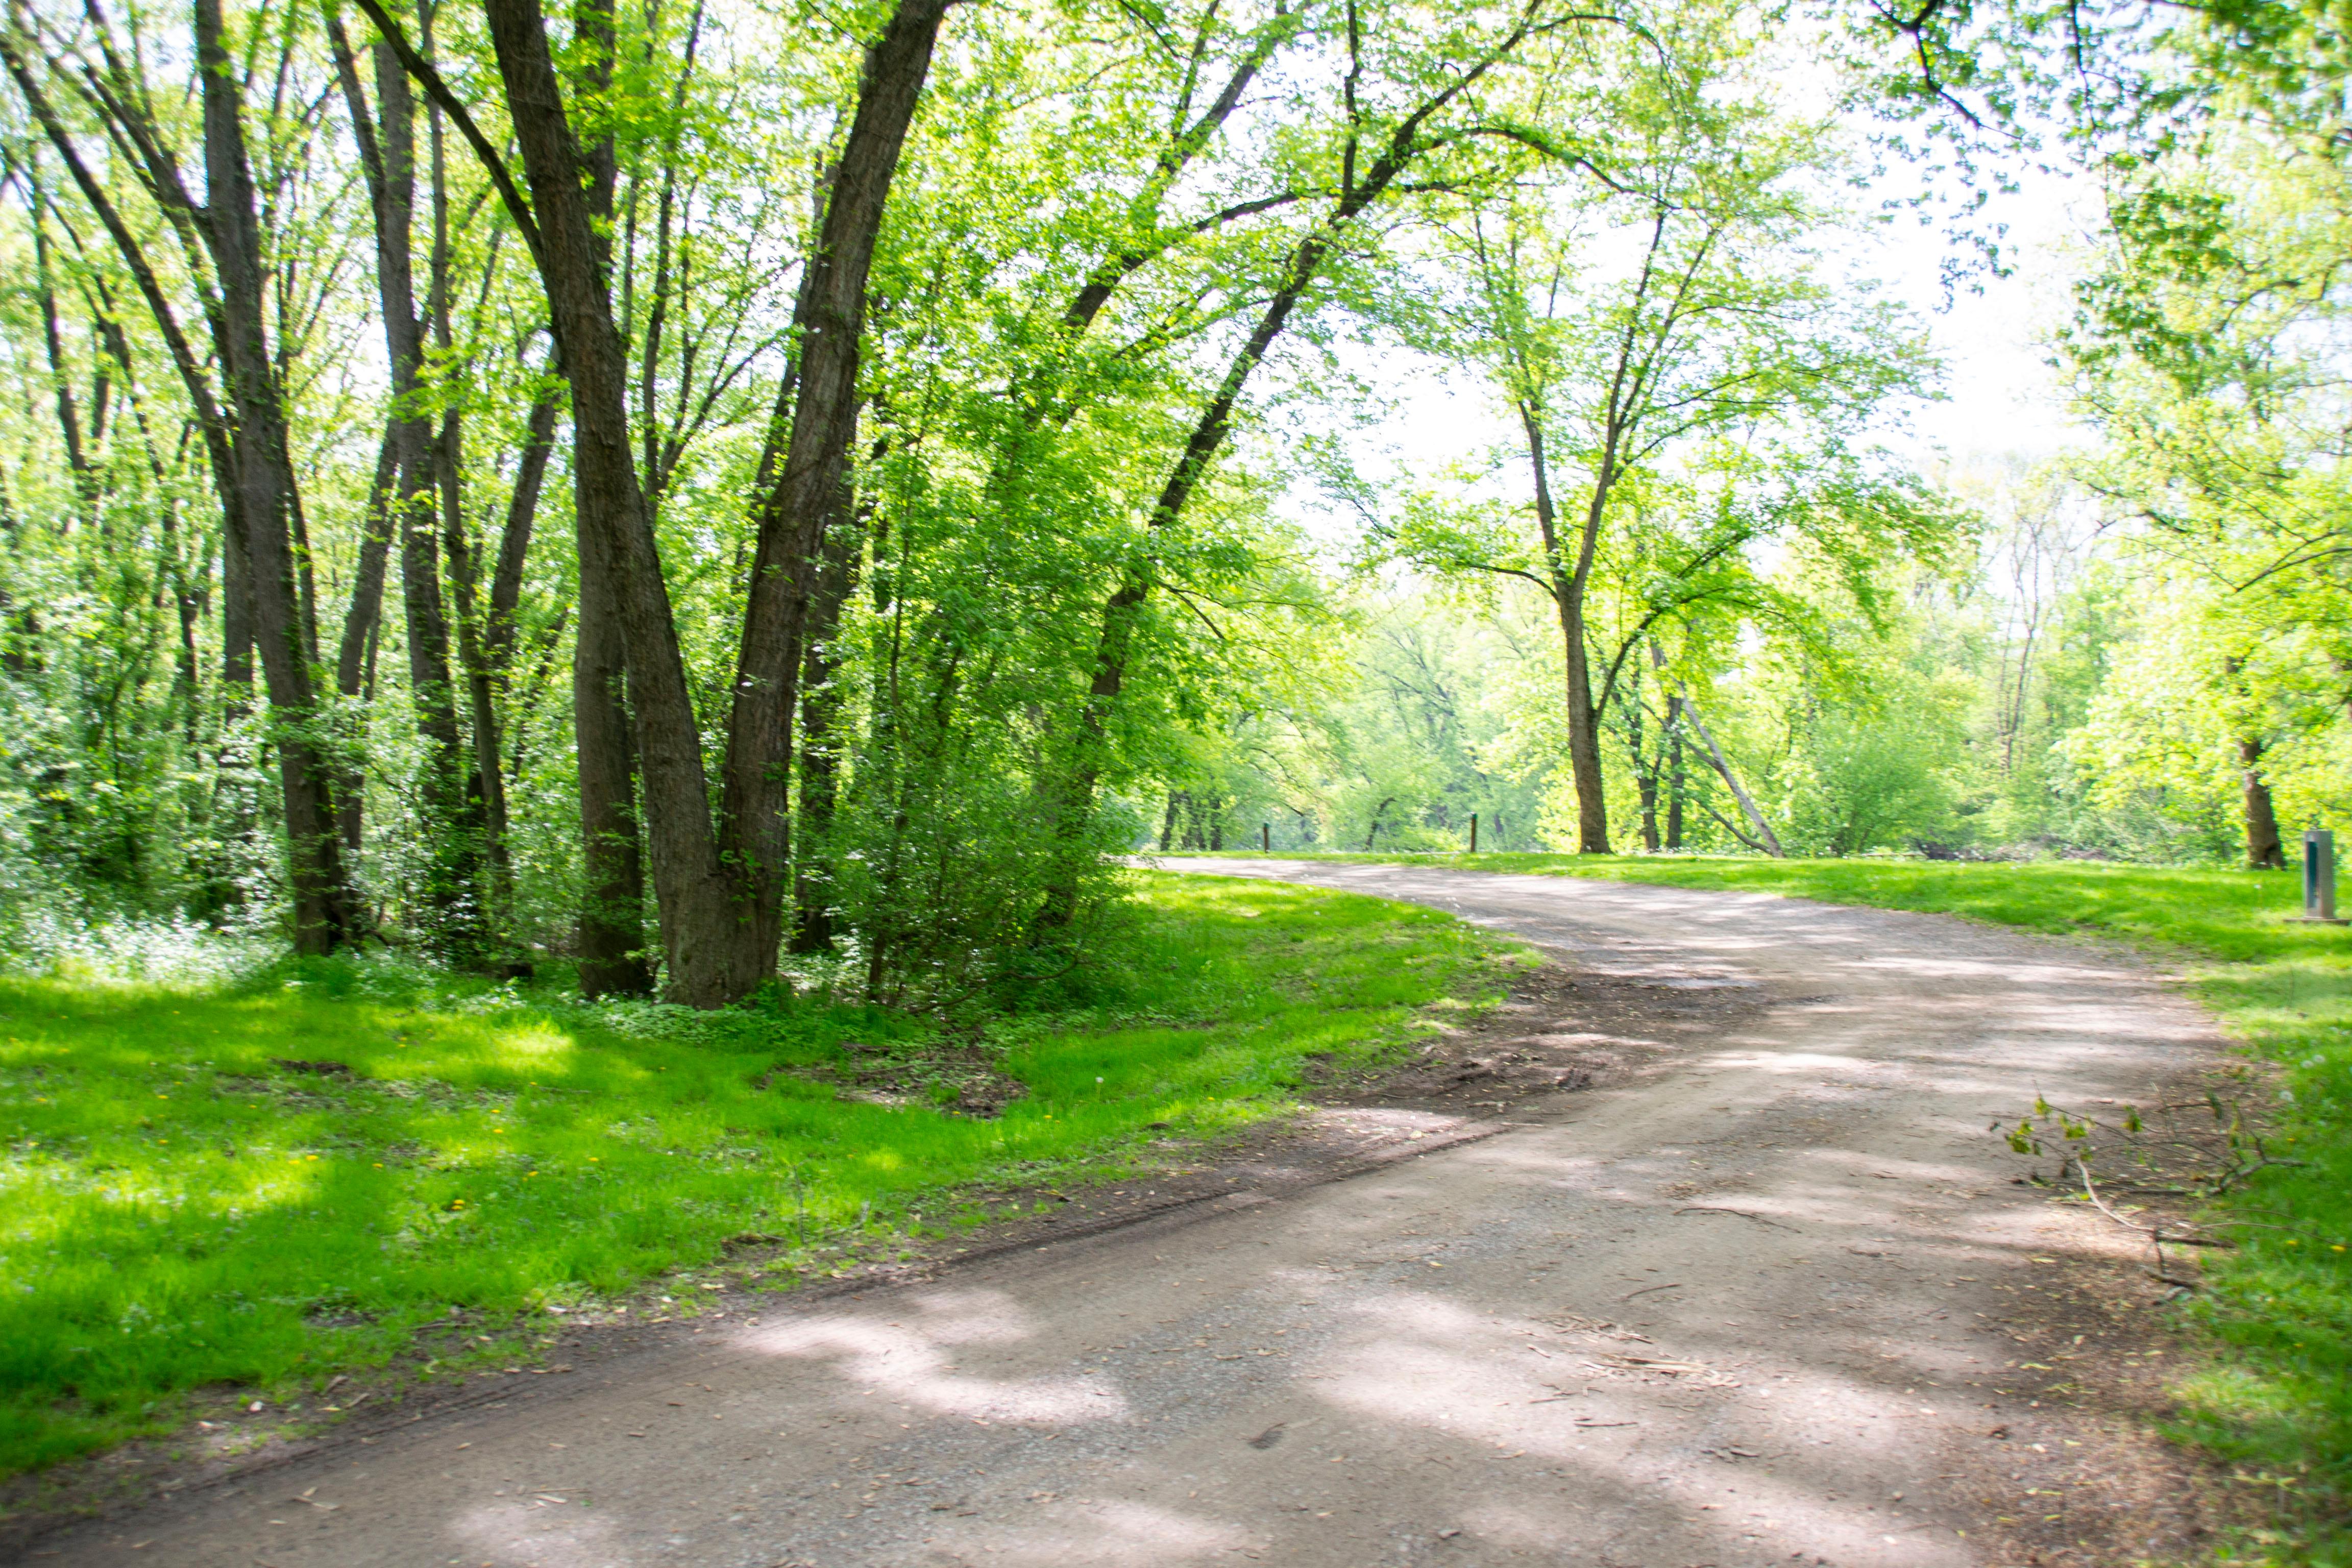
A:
(2319, 878)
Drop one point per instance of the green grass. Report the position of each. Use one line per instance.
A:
(2275, 1401)
(181, 1210)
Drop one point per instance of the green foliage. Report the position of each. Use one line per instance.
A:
(1390, 726)
(261, 1182)
(1868, 780)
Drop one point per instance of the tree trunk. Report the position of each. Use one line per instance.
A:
(452, 921)
(1568, 591)
(1764, 833)
(267, 494)
(1677, 783)
(487, 796)
(236, 608)
(354, 655)
(617, 553)
(613, 959)
(1645, 775)
(514, 538)
(2263, 850)
(1677, 780)
(803, 491)
(484, 640)
(820, 713)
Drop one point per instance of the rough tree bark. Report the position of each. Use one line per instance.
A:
(1569, 588)
(2264, 852)
(387, 145)
(267, 493)
(804, 488)
(616, 535)
(614, 957)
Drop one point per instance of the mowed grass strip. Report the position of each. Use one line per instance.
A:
(2277, 1402)
(264, 1185)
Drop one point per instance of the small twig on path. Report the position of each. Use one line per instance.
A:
(1743, 1213)
(2155, 1233)
(1646, 1290)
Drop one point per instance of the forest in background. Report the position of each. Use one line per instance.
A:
(2031, 701)
(696, 488)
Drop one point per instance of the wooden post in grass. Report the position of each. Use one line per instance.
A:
(1265, 836)
(1473, 833)
(2319, 878)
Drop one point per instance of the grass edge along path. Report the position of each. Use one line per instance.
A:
(335, 1167)
(2274, 1398)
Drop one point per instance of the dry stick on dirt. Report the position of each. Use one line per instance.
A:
(1742, 1213)
(2242, 1152)
(2155, 1233)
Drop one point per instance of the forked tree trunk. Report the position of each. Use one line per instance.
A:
(1567, 587)
(616, 546)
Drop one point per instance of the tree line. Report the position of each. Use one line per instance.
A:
(884, 417)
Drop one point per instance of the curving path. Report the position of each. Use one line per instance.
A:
(1742, 1308)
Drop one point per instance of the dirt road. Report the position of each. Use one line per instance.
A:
(1753, 1302)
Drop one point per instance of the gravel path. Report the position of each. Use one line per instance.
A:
(1743, 1307)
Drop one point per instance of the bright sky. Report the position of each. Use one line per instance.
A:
(2002, 396)
(2002, 399)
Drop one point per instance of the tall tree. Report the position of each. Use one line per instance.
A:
(242, 416)
(449, 811)
(1717, 346)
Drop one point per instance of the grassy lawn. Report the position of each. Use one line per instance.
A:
(2277, 1399)
(264, 1184)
